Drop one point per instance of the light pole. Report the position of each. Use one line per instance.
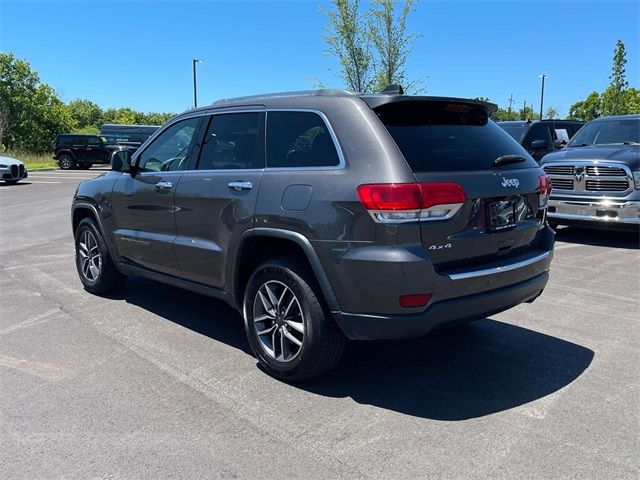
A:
(543, 76)
(195, 86)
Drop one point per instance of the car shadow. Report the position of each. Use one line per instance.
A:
(462, 373)
(598, 237)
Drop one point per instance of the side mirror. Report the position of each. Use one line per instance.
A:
(539, 145)
(121, 161)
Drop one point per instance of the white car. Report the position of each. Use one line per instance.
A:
(12, 170)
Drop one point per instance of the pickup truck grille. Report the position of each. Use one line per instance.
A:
(607, 185)
(583, 177)
(562, 183)
(606, 171)
(559, 169)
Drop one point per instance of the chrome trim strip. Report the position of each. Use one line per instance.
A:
(503, 268)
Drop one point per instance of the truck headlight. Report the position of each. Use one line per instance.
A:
(636, 179)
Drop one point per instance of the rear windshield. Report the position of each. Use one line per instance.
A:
(433, 138)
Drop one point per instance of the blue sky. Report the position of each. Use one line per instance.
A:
(138, 53)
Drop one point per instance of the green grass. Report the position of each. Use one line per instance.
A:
(33, 161)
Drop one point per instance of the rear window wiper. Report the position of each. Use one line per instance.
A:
(507, 159)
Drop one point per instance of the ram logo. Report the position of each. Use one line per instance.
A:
(510, 182)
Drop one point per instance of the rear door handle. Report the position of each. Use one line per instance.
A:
(163, 185)
(237, 186)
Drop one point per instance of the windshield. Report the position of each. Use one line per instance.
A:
(608, 132)
(516, 130)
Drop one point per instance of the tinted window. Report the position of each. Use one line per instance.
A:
(607, 132)
(299, 139)
(516, 130)
(431, 138)
(538, 132)
(170, 150)
(93, 141)
(79, 141)
(65, 141)
(231, 142)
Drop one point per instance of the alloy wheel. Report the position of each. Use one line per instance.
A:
(90, 258)
(278, 321)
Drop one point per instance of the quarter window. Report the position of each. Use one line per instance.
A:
(299, 139)
(231, 142)
(170, 150)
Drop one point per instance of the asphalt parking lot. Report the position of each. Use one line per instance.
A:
(157, 382)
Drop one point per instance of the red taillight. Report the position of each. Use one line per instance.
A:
(391, 196)
(413, 301)
(544, 183)
(409, 196)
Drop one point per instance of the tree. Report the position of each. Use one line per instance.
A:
(612, 99)
(551, 113)
(631, 100)
(346, 39)
(33, 111)
(588, 109)
(85, 113)
(152, 118)
(527, 113)
(387, 33)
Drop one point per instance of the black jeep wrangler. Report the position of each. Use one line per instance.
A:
(82, 151)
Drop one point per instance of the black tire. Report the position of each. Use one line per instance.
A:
(11, 182)
(66, 162)
(322, 342)
(86, 166)
(108, 278)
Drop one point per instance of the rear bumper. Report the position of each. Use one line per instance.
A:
(447, 312)
(596, 210)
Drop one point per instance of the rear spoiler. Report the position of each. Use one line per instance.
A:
(377, 101)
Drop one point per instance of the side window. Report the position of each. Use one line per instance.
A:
(93, 141)
(79, 142)
(170, 150)
(538, 132)
(231, 142)
(562, 133)
(299, 139)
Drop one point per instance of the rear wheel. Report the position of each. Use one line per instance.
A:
(286, 322)
(96, 269)
(66, 162)
(11, 182)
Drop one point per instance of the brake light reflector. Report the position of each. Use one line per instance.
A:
(406, 202)
(413, 301)
(544, 185)
(544, 182)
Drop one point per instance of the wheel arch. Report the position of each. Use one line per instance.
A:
(274, 243)
(82, 210)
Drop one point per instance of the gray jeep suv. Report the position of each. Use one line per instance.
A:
(323, 216)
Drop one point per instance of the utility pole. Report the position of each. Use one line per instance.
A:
(524, 111)
(543, 76)
(195, 87)
(511, 100)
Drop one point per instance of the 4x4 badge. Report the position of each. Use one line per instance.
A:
(439, 247)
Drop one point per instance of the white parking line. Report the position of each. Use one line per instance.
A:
(31, 181)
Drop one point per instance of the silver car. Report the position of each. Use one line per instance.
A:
(12, 170)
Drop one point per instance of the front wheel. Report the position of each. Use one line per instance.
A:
(96, 269)
(286, 323)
